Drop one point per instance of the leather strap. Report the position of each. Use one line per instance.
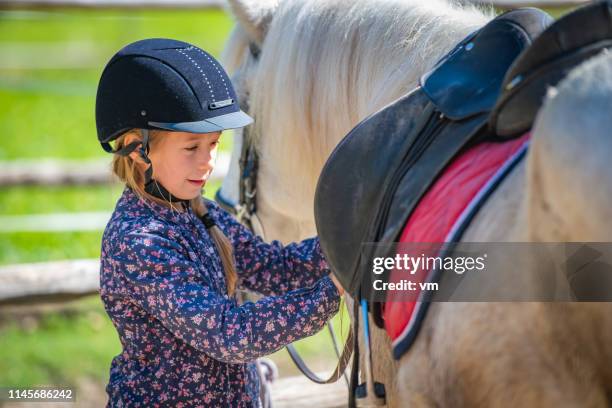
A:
(340, 367)
(354, 383)
(249, 166)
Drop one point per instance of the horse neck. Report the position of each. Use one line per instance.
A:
(327, 65)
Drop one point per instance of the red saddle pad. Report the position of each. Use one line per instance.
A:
(442, 210)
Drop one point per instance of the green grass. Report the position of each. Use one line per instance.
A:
(51, 66)
(58, 349)
(23, 247)
(54, 199)
(203, 27)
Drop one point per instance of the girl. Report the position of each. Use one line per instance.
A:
(171, 261)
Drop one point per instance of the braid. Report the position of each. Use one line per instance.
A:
(223, 244)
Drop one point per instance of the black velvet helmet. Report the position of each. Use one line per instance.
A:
(165, 84)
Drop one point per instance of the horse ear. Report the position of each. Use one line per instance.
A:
(254, 16)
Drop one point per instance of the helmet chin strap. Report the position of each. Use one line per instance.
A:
(152, 186)
(156, 189)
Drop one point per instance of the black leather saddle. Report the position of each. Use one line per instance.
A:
(490, 86)
(379, 171)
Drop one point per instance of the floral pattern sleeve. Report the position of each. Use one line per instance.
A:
(271, 268)
(163, 281)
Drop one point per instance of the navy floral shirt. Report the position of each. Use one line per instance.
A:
(186, 343)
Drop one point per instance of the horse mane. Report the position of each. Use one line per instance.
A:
(327, 64)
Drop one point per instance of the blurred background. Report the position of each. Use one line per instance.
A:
(56, 193)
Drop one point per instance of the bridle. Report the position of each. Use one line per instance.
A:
(245, 210)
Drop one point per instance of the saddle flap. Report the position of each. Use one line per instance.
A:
(468, 79)
(568, 42)
(350, 188)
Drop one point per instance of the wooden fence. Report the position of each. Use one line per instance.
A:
(48, 282)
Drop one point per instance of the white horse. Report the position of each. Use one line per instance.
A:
(311, 70)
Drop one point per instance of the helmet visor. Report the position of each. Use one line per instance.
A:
(231, 120)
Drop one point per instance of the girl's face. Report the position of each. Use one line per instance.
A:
(182, 161)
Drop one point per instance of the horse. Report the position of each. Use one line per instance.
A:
(309, 71)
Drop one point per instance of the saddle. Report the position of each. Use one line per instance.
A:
(488, 88)
(361, 198)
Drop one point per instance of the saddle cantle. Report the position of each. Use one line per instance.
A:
(572, 39)
(360, 198)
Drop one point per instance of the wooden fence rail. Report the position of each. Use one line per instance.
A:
(47, 282)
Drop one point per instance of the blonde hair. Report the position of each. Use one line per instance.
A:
(127, 170)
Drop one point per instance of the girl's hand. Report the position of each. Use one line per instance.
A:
(338, 286)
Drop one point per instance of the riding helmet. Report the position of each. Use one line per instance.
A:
(166, 84)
